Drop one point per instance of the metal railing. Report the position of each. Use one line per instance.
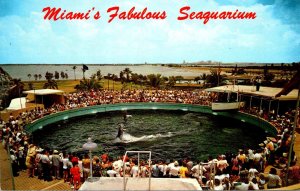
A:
(149, 161)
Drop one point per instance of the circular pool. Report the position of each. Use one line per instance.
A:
(173, 134)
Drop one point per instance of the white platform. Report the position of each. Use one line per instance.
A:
(116, 183)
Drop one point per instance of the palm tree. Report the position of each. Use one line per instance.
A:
(155, 80)
(215, 79)
(88, 84)
(135, 78)
(19, 86)
(62, 75)
(56, 75)
(122, 78)
(48, 76)
(203, 77)
(29, 76)
(114, 77)
(98, 74)
(74, 68)
(127, 72)
(93, 76)
(35, 77)
(108, 77)
(40, 76)
(179, 78)
(51, 84)
(171, 81)
(197, 79)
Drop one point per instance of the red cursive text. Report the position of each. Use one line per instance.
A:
(206, 16)
(57, 13)
(136, 15)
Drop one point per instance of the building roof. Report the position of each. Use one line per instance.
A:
(263, 91)
(44, 92)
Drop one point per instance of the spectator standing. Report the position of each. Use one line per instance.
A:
(46, 165)
(274, 181)
(75, 174)
(56, 161)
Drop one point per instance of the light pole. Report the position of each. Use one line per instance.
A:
(90, 146)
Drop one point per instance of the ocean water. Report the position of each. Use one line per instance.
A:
(22, 71)
(168, 134)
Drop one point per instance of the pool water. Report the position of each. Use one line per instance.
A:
(168, 134)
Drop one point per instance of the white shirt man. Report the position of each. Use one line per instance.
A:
(163, 169)
(174, 170)
(134, 171)
(257, 157)
(196, 171)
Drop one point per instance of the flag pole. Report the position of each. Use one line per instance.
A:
(293, 136)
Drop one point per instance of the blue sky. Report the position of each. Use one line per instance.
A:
(274, 36)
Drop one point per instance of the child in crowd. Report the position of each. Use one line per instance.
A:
(75, 175)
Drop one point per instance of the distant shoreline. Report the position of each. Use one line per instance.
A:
(186, 70)
(200, 64)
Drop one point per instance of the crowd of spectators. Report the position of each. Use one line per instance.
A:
(243, 170)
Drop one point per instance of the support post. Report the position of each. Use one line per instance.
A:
(138, 164)
(277, 107)
(270, 102)
(293, 136)
(91, 163)
(260, 106)
(250, 103)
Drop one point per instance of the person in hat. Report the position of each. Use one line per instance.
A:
(174, 170)
(30, 160)
(56, 161)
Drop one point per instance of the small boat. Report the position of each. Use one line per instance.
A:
(226, 100)
(223, 106)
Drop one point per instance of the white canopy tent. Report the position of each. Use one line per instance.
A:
(17, 103)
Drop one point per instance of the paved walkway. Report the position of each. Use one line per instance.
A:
(22, 182)
(297, 145)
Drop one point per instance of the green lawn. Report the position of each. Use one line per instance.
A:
(68, 85)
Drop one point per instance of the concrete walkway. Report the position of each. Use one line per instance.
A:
(297, 145)
(22, 182)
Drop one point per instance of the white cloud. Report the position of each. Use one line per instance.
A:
(36, 40)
